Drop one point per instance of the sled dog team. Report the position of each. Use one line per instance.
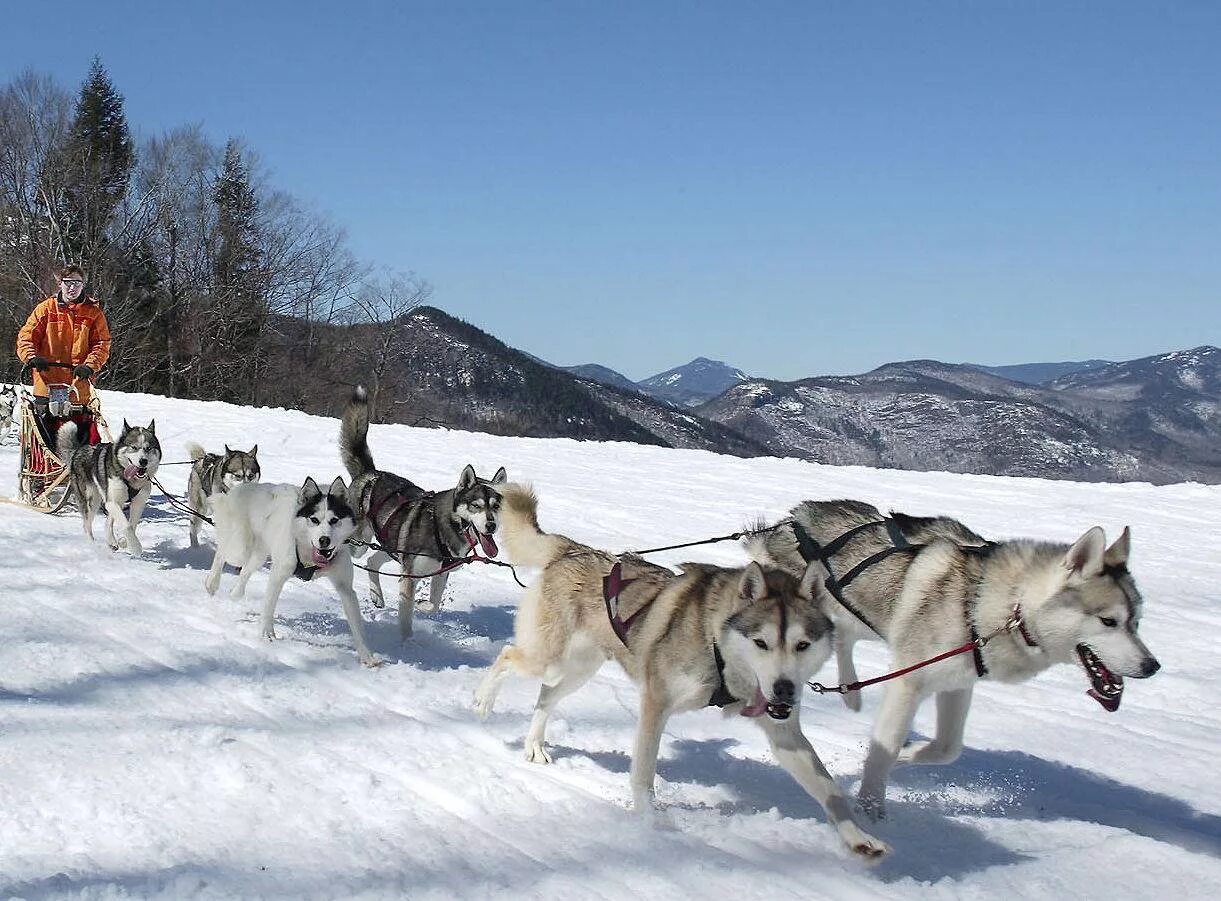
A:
(744, 639)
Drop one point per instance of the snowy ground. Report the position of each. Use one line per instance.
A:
(152, 745)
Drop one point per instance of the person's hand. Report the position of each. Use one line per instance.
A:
(40, 363)
(83, 372)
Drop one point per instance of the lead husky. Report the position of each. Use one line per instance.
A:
(213, 474)
(426, 530)
(1047, 603)
(744, 639)
(302, 530)
(863, 532)
(112, 476)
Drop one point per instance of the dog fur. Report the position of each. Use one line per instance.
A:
(215, 474)
(770, 628)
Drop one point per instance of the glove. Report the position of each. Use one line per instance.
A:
(83, 372)
(40, 363)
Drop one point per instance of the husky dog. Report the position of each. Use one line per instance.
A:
(743, 639)
(1044, 604)
(114, 475)
(303, 530)
(866, 532)
(426, 530)
(8, 403)
(215, 474)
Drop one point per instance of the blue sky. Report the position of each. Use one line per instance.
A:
(795, 188)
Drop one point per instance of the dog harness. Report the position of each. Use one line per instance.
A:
(613, 583)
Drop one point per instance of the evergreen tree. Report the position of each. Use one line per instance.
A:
(98, 162)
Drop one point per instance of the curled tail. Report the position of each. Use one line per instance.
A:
(353, 448)
(66, 442)
(195, 452)
(525, 542)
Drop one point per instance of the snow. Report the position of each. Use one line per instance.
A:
(152, 746)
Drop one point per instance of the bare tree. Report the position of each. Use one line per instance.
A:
(385, 302)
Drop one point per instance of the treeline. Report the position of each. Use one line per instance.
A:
(198, 261)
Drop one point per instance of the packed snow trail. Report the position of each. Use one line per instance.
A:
(152, 745)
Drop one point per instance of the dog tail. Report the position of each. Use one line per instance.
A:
(195, 452)
(353, 446)
(66, 442)
(526, 543)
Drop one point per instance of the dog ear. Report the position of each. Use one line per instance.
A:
(468, 477)
(152, 427)
(753, 586)
(254, 451)
(1085, 556)
(813, 584)
(227, 451)
(501, 476)
(126, 427)
(338, 488)
(310, 489)
(1117, 554)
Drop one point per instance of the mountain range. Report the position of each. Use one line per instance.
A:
(1155, 419)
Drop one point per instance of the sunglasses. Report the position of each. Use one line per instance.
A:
(73, 283)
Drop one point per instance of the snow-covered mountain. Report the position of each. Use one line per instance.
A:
(1154, 419)
(1041, 373)
(152, 746)
(693, 383)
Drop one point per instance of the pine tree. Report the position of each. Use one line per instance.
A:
(98, 165)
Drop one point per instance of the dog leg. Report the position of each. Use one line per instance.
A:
(575, 673)
(653, 716)
(114, 511)
(134, 512)
(899, 703)
(89, 510)
(436, 590)
(416, 566)
(351, 611)
(275, 584)
(844, 644)
(952, 708)
(253, 563)
(374, 563)
(794, 752)
(509, 658)
(212, 581)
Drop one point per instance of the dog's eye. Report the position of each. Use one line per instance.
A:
(803, 646)
(761, 644)
(333, 520)
(315, 520)
(1108, 621)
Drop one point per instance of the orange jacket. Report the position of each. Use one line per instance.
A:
(65, 333)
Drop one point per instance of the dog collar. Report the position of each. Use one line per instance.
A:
(1019, 623)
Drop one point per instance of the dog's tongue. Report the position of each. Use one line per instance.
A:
(488, 543)
(133, 473)
(1110, 704)
(758, 706)
(321, 560)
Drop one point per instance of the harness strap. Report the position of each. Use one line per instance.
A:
(810, 551)
(613, 583)
(720, 696)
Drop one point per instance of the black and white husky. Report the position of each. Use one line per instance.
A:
(8, 403)
(303, 530)
(213, 474)
(113, 476)
(426, 531)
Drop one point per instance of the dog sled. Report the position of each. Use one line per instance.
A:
(42, 477)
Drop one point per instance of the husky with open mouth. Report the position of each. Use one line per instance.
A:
(304, 530)
(427, 532)
(117, 477)
(745, 640)
(1047, 603)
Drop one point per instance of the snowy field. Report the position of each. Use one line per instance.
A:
(152, 746)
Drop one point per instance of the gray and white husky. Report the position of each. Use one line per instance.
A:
(426, 531)
(303, 530)
(8, 403)
(743, 639)
(215, 474)
(113, 476)
(862, 532)
(1047, 603)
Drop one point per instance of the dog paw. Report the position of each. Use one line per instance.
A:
(371, 661)
(134, 547)
(210, 585)
(866, 847)
(536, 753)
(852, 700)
(269, 634)
(378, 601)
(482, 705)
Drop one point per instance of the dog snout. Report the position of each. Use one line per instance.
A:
(784, 691)
(324, 541)
(143, 461)
(1148, 667)
(490, 527)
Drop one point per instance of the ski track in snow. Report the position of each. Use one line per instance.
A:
(151, 745)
